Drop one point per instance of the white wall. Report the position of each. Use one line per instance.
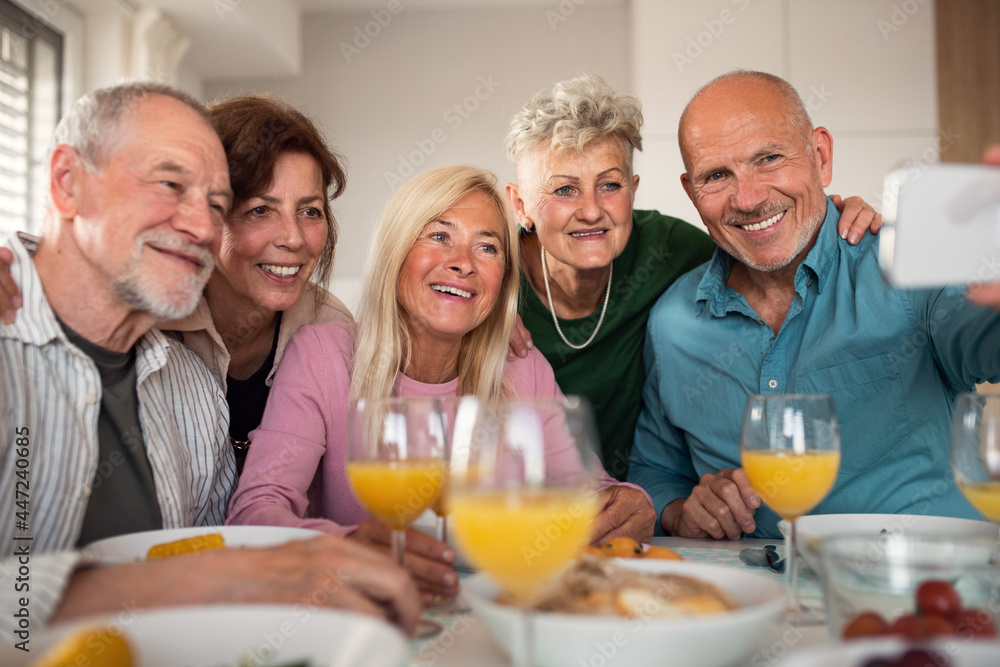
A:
(864, 68)
(390, 105)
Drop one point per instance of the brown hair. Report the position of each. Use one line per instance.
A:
(255, 130)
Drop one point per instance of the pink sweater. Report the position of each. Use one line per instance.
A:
(298, 453)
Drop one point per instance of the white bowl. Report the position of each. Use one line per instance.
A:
(571, 640)
(855, 654)
(210, 636)
(812, 528)
(133, 547)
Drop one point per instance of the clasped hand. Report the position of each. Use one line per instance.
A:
(722, 505)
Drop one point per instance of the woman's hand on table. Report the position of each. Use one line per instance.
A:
(625, 512)
(429, 561)
(721, 506)
(10, 296)
(856, 218)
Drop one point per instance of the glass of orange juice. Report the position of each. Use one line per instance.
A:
(396, 465)
(975, 451)
(523, 496)
(790, 450)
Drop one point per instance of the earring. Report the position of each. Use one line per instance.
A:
(527, 226)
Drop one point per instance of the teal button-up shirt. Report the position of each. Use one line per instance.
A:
(893, 360)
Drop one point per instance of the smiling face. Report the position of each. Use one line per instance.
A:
(451, 277)
(579, 203)
(272, 242)
(755, 175)
(147, 220)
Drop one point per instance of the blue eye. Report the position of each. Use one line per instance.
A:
(490, 248)
(613, 186)
(564, 191)
(437, 236)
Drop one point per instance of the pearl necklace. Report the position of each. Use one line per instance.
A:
(555, 320)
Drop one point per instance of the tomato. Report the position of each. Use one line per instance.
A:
(907, 626)
(974, 623)
(933, 626)
(865, 624)
(938, 598)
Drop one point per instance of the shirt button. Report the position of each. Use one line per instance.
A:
(91, 399)
(773, 384)
(809, 282)
(86, 492)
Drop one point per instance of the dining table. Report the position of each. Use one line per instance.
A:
(465, 640)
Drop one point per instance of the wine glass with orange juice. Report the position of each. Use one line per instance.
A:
(523, 503)
(975, 451)
(790, 450)
(396, 465)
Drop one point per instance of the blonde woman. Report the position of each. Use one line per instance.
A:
(439, 302)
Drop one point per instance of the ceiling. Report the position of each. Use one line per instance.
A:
(235, 39)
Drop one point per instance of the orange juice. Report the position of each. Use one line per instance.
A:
(521, 539)
(397, 492)
(791, 483)
(984, 496)
(440, 504)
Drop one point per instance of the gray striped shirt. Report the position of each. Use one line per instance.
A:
(50, 394)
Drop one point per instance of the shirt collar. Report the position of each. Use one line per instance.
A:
(35, 322)
(712, 289)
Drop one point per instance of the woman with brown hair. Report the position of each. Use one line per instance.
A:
(279, 233)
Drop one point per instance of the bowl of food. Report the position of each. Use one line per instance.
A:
(636, 611)
(813, 528)
(914, 587)
(215, 635)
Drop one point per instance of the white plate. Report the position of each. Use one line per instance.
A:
(814, 527)
(960, 653)
(216, 636)
(570, 640)
(134, 546)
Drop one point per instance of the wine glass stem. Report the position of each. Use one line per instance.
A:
(524, 641)
(792, 568)
(442, 528)
(398, 546)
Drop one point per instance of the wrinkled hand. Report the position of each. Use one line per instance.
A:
(856, 218)
(626, 513)
(520, 341)
(326, 571)
(10, 296)
(721, 506)
(428, 560)
(984, 294)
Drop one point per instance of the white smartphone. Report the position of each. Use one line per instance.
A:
(942, 225)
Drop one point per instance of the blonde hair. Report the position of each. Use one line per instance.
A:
(384, 344)
(573, 115)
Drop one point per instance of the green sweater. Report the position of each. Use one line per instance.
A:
(609, 371)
